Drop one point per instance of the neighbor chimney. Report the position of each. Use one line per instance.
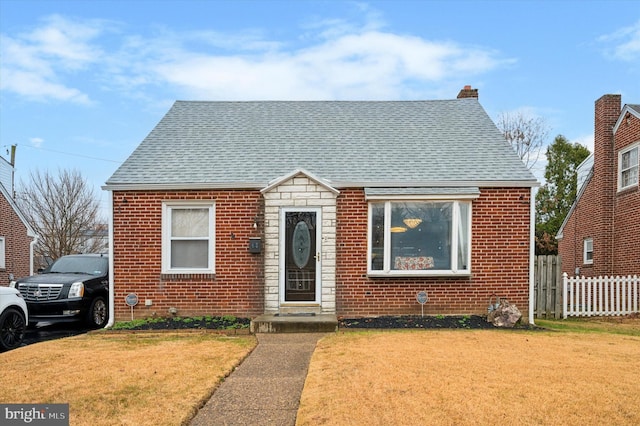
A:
(607, 111)
(468, 92)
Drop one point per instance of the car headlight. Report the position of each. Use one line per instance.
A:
(76, 290)
(12, 284)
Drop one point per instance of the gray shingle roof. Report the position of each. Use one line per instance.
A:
(360, 143)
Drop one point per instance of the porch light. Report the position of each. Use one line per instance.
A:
(412, 222)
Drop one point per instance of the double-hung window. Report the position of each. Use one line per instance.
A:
(628, 167)
(419, 237)
(188, 242)
(587, 251)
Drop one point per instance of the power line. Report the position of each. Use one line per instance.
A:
(72, 155)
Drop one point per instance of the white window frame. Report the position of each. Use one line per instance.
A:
(3, 263)
(635, 146)
(387, 271)
(167, 209)
(587, 247)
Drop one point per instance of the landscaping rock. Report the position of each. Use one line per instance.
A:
(505, 315)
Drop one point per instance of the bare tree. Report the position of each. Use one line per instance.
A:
(64, 212)
(526, 135)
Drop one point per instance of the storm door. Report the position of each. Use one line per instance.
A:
(301, 255)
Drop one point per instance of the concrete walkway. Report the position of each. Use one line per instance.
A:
(265, 389)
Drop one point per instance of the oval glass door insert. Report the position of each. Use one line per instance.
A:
(301, 244)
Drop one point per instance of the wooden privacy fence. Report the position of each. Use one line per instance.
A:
(593, 296)
(548, 287)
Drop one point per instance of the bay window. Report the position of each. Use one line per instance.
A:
(188, 237)
(420, 237)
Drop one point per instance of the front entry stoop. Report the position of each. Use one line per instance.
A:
(294, 323)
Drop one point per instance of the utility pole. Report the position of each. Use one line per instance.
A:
(13, 168)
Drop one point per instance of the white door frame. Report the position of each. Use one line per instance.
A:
(317, 255)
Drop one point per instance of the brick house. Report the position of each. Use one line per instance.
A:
(601, 233)
(337, 207)
(16, 235)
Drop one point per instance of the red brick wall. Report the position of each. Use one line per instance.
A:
(610, 217)
(237, 287)
(581, 224)
(626, 220)
(499, 261)
(16, 243)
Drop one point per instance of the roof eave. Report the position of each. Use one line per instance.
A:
(336, 184)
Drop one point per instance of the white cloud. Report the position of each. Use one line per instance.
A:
(35, 64)
(36, 142)
(340, 60)
(623, 44)
(37, 86)
(66, 41)
(369, 65)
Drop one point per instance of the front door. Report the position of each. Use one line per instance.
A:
(300, 272)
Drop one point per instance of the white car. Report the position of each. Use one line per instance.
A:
(13, 318)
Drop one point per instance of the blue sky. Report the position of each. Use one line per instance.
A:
(83, 82)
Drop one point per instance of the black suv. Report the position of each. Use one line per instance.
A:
(73, 288)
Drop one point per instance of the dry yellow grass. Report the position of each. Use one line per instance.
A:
(585, 376)
(466, 377)
(123, 378)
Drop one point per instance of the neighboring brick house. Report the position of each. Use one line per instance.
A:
(347, 208)
(16, 235)
(601, 233)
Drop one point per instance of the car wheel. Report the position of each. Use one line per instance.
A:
(12, 328)
(98, 313)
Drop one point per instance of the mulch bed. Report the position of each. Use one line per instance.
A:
(208, 323)
(383, 322)
(415, 321)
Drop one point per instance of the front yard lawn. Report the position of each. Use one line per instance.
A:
(587, 375)
(124, 378)
(583, 372)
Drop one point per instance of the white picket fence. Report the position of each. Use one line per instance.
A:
(600, 296)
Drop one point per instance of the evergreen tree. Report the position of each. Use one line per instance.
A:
(555, 197)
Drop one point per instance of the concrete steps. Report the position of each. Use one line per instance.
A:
(294, 323)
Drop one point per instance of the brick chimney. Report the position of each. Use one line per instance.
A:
(468, 92)
(607, 111)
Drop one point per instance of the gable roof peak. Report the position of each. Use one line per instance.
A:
(299, 172)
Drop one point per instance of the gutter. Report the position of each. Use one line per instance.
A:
(333, 184)
(112, 307)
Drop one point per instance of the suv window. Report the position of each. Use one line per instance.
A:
(79, 265)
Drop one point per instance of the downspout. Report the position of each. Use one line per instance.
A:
(32, 244)
(532, 253)
(112, 307)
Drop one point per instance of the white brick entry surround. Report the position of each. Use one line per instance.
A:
(302, 190)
